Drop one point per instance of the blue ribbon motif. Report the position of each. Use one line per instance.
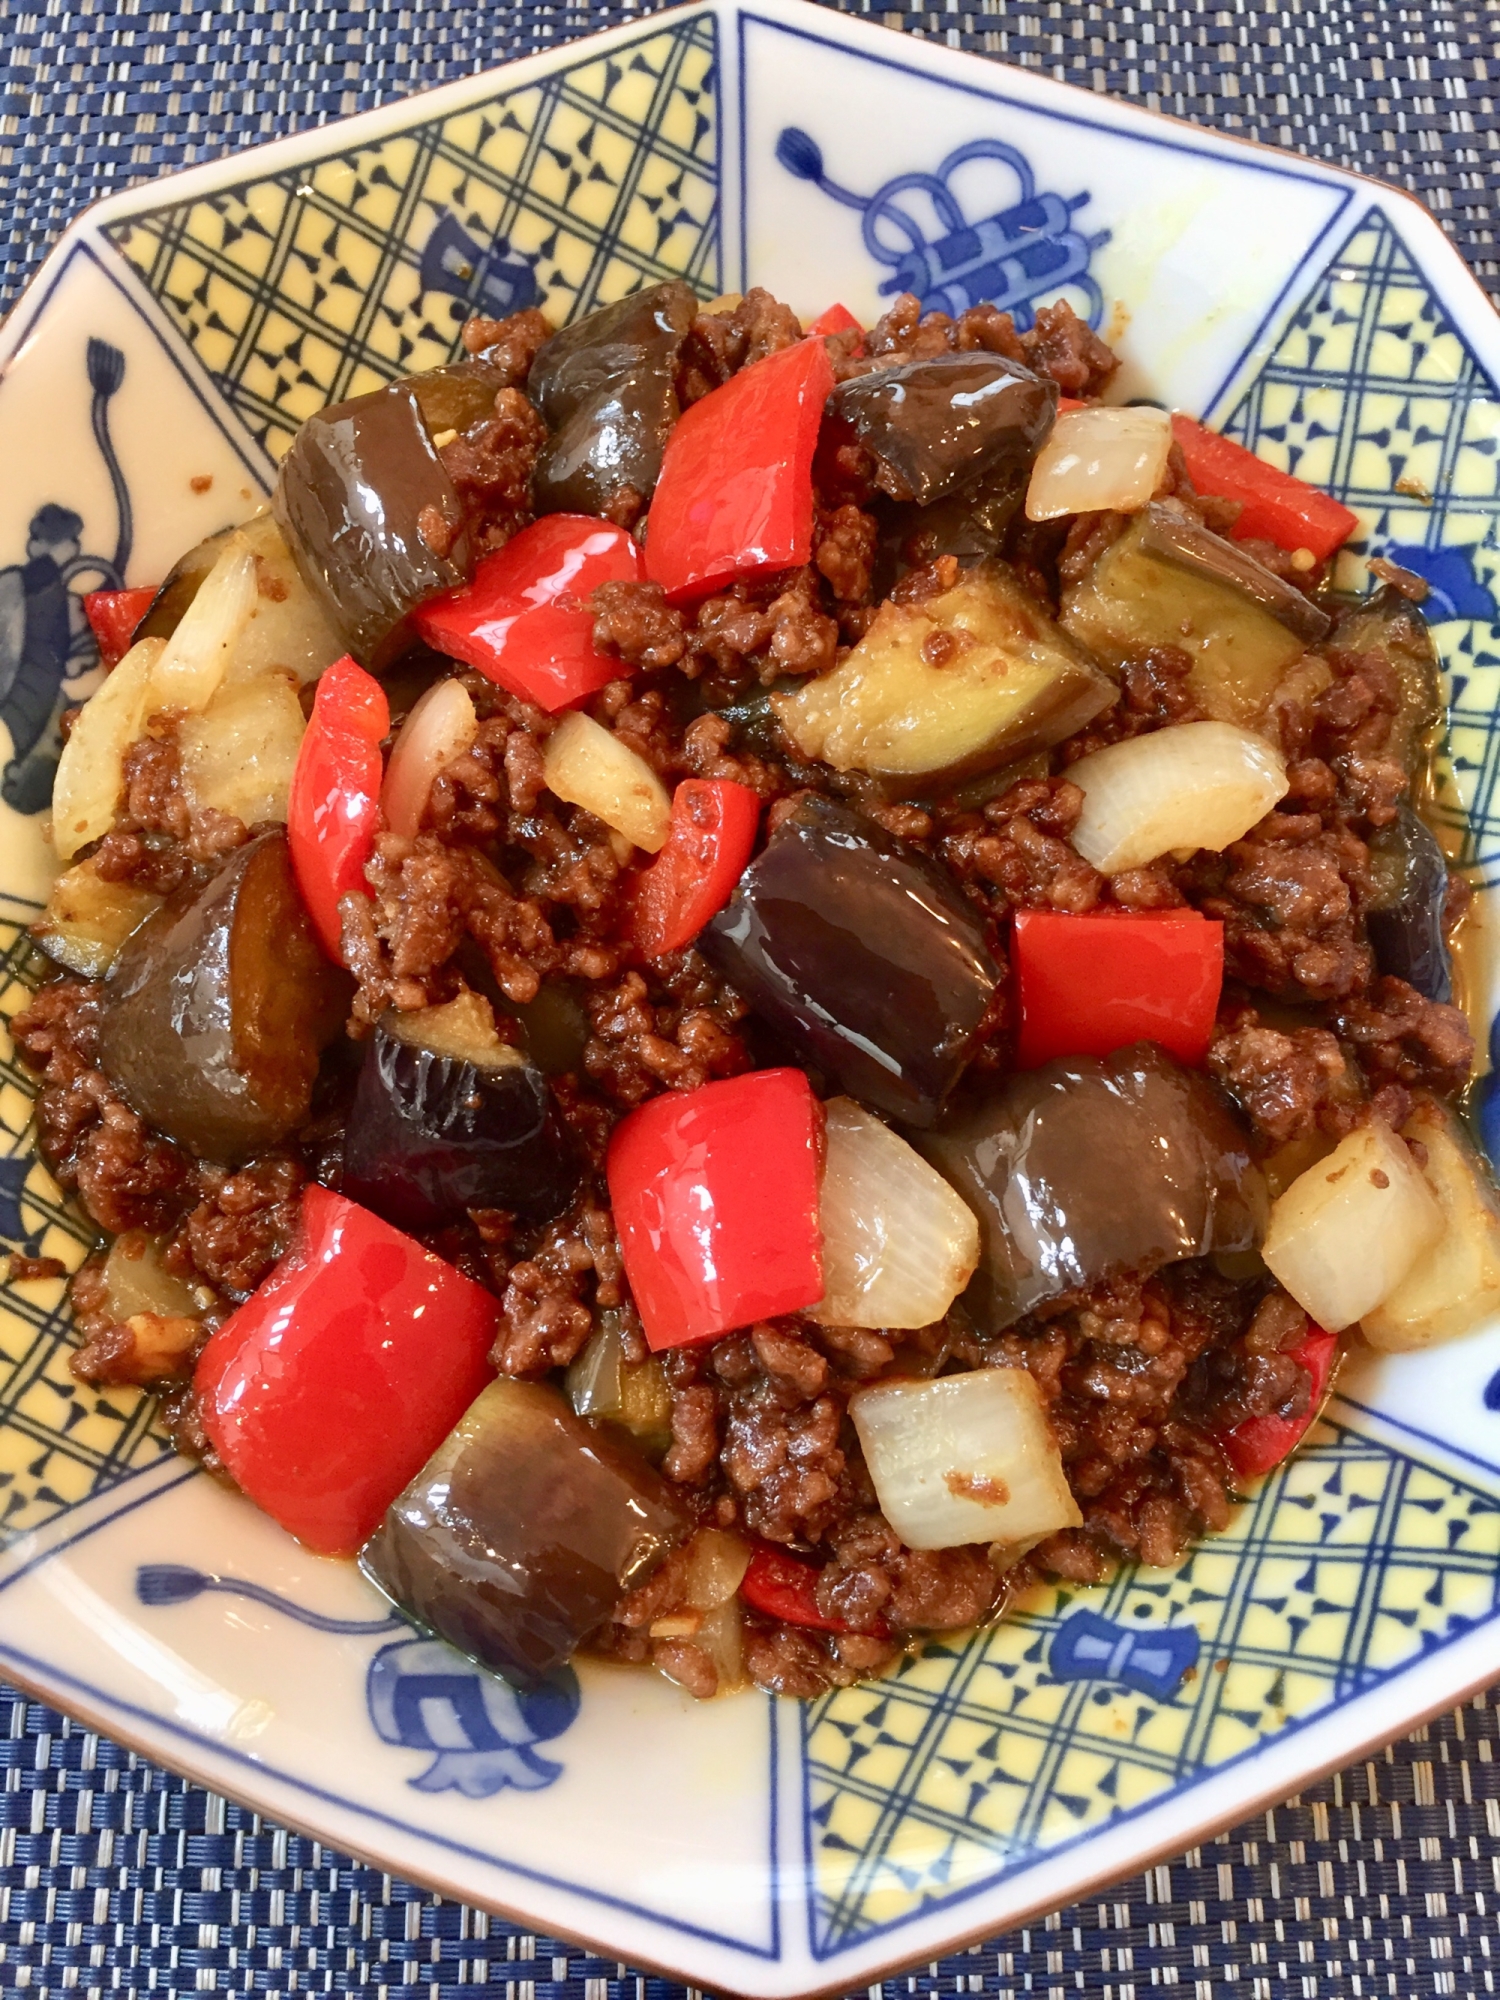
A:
(1087, 1647)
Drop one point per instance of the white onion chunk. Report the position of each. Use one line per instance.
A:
(1191, 785)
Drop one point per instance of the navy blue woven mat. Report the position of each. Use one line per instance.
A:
(116, 1878)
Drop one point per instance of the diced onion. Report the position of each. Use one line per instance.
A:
(1455, 1282)
(717, 1562)
(287, 631)
(1345, 1233)
(239, 754)
(1098, 458)
(967, 1458)
(898, 1243)
(89, 778)
(198, 654)
(137, 1281)
(590, 767)
(440, 727)
(1191, 785)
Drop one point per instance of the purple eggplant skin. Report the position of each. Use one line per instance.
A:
(359, 486)
(1085, 1167)
(862, 956)
(605, 389)
(1404, 921)
(523, 1531)
(949, 422)
(431, 1134)
(219, 1007)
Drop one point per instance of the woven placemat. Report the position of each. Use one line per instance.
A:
(116, 1878)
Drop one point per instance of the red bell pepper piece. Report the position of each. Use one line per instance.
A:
(735, 496)
(1260, 1443)
(113, 616)
(715, 1195)
(783, 1586)
(838, 319)
(524, 620)
(1089, 985)
(333, 807)
(1276, 507)
(709, 842)
(338, 1378)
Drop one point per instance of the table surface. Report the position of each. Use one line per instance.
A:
(118, 1878)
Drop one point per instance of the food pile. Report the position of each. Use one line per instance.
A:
(730, 990)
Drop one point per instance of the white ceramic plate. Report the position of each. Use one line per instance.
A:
(163, 357)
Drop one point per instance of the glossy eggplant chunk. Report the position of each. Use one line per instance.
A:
(938, 691)
(1083, 1168)
(165, 611)
(1177, 538)
(605, 390)
(861, 955)
(219, 1008)
(1156, 586)
(948, 422)
(1404, 919)
(523, 1531)
(356, 491)
(457, 397)
(446, 1117)
(1388, 625)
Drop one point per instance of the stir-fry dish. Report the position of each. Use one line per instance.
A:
(729, 991)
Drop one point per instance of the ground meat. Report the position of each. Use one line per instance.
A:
(490, 465)
(642, 1043)
(23, 1270)
(1111, 1364)
(159, 840)
(1404, 1039)
(508, 345)
(1286, 1083)
(783, 1453)
(126, 1176)
(242, 1223)
(719, 344)
(1015, 853)
(844, 552)
(636, 621)
(1062, 346)
(1288, 896)
(429, 896)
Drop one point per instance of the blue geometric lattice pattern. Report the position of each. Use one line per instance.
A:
(335, 276)
(1374, 395)
(60, 1440)
(968, 1763)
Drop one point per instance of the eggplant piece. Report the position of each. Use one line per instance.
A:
(940, 690)
(184, 579)
(1387, 624)
(605, 1387)
(948, 422)
(1404, 918)
(862, 955)
(523, 1531)
(457, 397)
(1178, 538)
(361, 482)
(1167, 582)
(446, 1117)
(605, 389)
(1088, 1167)
(219, 1008)
(87, 920)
